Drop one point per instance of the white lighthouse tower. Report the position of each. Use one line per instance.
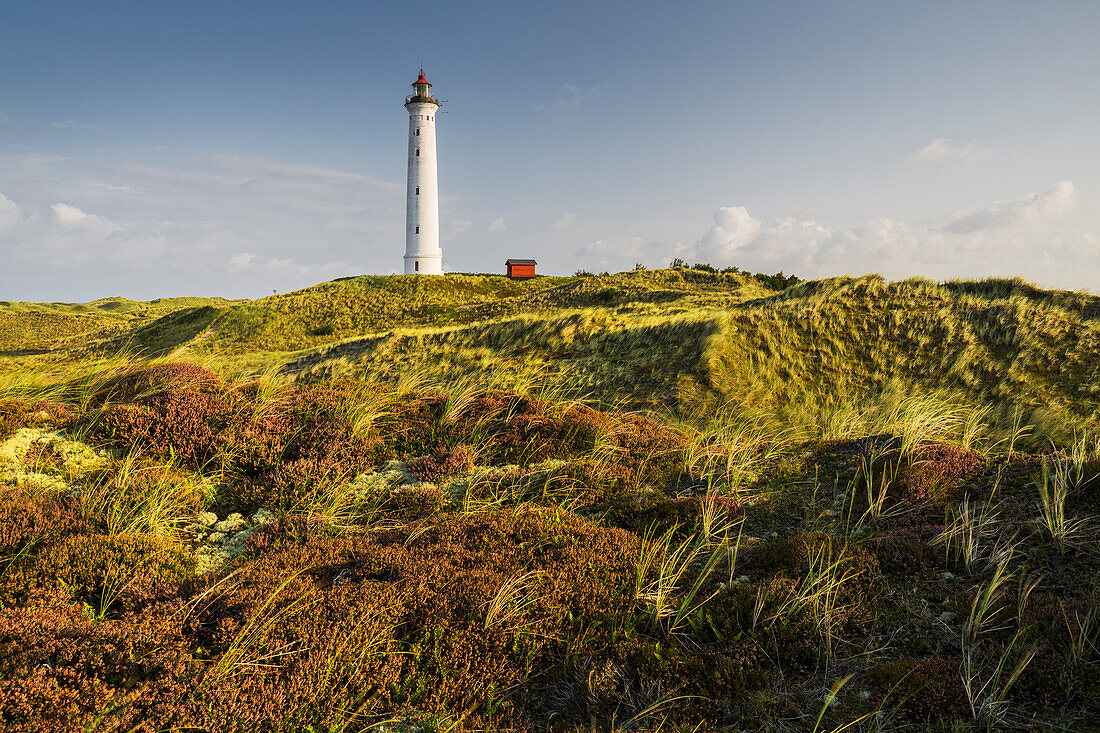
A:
(422, 253)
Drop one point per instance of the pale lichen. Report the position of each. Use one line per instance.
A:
(73, 460)
(218, 542)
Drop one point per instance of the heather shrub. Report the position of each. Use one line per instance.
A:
(529, 581)
(646, 451)
(936, 472)
(138, 495)
(29, 520)
(715, 677)
(440, 466)
(16, 413)
(920, 691)
(287, 456)
(134, 384)
(814, 561)
(110, 572)
(415, 502)
(61, 671)
(534, 436)
(637, 510)
(43, 458)
(909, 548)
(1065, 634)
(515, 429)
(173, 423)
(13, 415)
(413, 428)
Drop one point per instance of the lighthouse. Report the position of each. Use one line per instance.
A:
(422, 253)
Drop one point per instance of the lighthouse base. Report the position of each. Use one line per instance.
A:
(422, 265)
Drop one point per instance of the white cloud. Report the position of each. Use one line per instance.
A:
(623, 252)
(733, 228)
(252, 262)
(496, 226)
(10, 213)
(1026, 210)
(563, 222)
(570, 95)
(1018, 237)
(70, 217)
(942, 151)
(456, 227)
(162, 222)
(241, 261)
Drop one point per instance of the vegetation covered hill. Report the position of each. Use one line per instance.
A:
(46, 326)
(676, 500)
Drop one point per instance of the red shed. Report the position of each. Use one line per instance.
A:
(520, 269)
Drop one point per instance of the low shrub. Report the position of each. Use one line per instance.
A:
(60, 671)
(134, 384)
(16, 413)
(909, 549)
(458, 616)
(179, 423)
(29, 520)
(287, 456)
(440, 466)
(937, 472)
(107, 573)
(920, 691)
(804, 558)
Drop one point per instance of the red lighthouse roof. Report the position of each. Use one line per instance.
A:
(422, 80)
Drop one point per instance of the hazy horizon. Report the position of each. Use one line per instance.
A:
(152, 150)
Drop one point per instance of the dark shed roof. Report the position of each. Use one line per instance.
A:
(520, 262)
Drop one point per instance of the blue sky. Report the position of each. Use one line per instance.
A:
(151, 148)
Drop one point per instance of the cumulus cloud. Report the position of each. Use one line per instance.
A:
(1017, 237)
(1031, 209)
(941, 150)
(734, 227)
(563, 222)
(10, 213)
(496, 226)
(71, 218)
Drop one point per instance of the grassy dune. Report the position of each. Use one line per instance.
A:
(37, 327)
(669, 499)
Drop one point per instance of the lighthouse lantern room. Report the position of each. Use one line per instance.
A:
(422, 253)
